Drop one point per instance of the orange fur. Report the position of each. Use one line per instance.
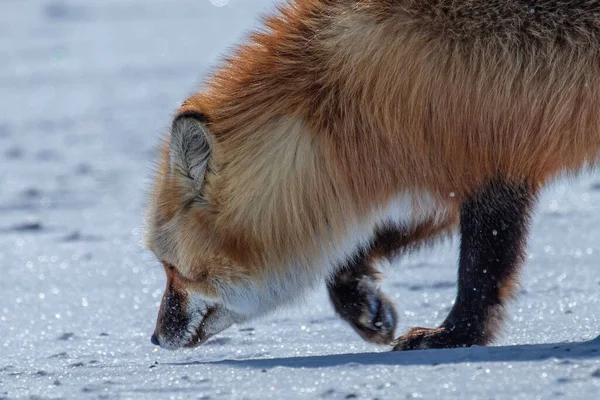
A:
(338, 106)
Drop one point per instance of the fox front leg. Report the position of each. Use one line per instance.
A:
(354, 290)
(356, 297)
(493, 227)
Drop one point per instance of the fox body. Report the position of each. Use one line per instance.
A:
(350, 131)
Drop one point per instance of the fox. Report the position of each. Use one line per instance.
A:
(347, 133)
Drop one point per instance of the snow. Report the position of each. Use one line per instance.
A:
(87, 89)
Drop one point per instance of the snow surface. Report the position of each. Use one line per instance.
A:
(86, 89)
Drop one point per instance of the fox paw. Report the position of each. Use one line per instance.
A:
(376, 318)
(356, 297)
(436, 338)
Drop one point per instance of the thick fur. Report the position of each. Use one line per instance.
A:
(342, 118)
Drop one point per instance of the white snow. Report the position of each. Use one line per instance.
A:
(86, 89)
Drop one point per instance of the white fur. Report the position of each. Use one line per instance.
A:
(210, 323)
(406, 210)
(280, 286)
(283, 285)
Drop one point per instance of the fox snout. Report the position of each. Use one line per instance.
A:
(173, 319)
(187, 319)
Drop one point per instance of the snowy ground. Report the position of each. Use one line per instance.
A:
(86, 88)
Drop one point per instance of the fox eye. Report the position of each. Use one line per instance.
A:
(168, 265)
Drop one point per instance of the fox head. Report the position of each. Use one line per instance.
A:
(201, 298)
(216, 272)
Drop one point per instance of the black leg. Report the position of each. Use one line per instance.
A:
(354, 289)
(493, 226)
(355, 295)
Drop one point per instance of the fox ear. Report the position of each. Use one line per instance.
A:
(190, 150)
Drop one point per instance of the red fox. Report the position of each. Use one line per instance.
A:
(347, 132)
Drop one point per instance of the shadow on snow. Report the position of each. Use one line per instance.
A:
(518, 353)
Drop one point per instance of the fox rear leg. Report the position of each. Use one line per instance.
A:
(355, 291)
(493, 226)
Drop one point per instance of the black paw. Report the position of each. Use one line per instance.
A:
(370, 312)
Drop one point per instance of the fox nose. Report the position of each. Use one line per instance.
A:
(154, 339)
